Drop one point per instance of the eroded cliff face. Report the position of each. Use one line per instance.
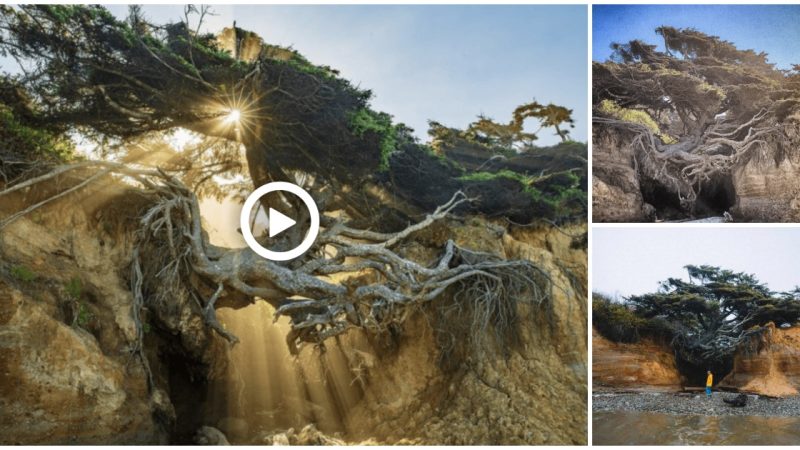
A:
(393, 388)
(616, 193)
(58, 386)
(768, 183)
(644, 365)
(770, 365)
(763, 186)
(537, 396)
(68, 374)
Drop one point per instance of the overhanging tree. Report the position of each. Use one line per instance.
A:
(714, 312)
(694, 112)
(86, 71)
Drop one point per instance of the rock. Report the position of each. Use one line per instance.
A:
(768, 190)
(210, 436)
(308, 435)
(738, 401)
(57, 386)
(697, 404)
(69, 382)
(280, 439)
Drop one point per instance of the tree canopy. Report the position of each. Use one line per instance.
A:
(120, 80)
(706, 318)
(694, 112)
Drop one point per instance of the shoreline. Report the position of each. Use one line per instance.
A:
(694, 404)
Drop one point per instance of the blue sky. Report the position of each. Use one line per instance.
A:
(774, 29)
(447, 63)
(628, 261)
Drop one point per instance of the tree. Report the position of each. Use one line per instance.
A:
(554, 116)
(86, 70)
(692, 114)
(510, 137)
(714, 312)
(124, 82)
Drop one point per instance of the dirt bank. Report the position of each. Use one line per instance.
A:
(644, 365)
(770, 365)
(70, 375)
(69, 372)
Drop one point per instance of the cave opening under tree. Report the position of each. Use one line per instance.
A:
(705, 319)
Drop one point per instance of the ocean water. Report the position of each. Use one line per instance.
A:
(648, 428)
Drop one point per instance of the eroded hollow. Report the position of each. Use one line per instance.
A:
(265, 389)
(695, 375)
(715, 197)
(665, 201)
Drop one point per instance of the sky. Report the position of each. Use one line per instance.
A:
(631, 261)
(446, 63)
(774, 29)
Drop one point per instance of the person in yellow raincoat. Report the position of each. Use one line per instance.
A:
(709, 383)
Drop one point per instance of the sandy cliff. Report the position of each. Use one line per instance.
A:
(68, 374)
(644, 365)
(770, 366)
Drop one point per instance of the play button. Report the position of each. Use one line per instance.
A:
(279, 222)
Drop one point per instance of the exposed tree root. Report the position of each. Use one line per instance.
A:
(173, 257)
(683, 167)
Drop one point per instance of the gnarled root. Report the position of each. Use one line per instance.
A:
(173, 257)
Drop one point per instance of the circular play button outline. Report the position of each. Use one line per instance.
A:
(244, 221)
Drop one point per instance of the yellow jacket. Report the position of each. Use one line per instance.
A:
(710, 380)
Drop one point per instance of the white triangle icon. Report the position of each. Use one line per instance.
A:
(278, 222)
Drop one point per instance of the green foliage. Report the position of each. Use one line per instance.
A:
(692, 80)
(609, 108)
(302, 64)
(23, 273)
(32, 142)
(485, 176)
(366, 121)
(131, 79)
(505, 138)
(83, 315)
(548, 115)
(74, 288)
(616, 321)
(559, 193)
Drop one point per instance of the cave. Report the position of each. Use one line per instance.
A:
(695, 375)
(715, 197)
(666, 203)
(187, 392)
